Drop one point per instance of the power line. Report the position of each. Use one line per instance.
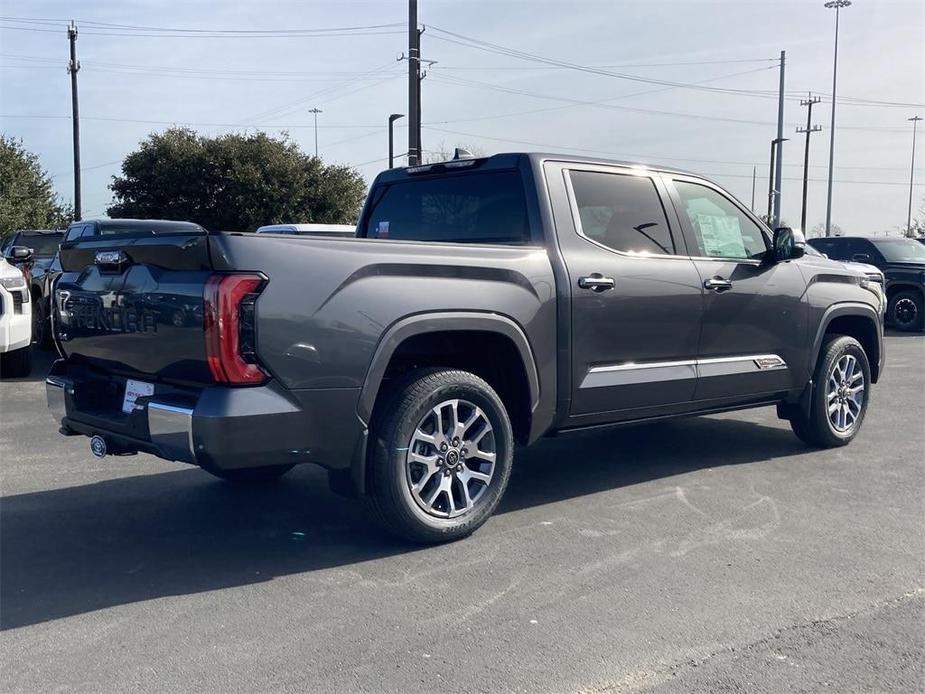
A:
(184, 122)
(609, 67)
(262, 74)
(489, 47)
(599, 101)
(523, 55)
(108, 29)
(294, 106)
(635, 109)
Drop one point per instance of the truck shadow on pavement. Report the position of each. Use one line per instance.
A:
(79, 549)
(42, 359)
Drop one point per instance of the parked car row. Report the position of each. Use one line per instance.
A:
(15, 314)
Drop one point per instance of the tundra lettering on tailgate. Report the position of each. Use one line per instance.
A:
(115, 319)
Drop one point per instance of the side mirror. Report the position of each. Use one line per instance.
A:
(788, 244)
(20, 255)
(860, 258)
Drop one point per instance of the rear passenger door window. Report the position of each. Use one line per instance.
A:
(622, 212)
(719, 228)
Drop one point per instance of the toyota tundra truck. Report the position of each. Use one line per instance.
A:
(483, 304)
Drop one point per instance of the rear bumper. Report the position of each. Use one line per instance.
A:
(170, 427)
(216, 427)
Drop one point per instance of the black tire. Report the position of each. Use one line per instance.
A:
(16, 364)
(906, 311)
(390, 495)
(251, 475)
(41, 326)
(817, 429)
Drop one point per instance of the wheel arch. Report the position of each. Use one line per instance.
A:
(896, 287)
(857, 320)
(431, 326)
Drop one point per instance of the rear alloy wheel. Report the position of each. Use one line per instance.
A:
(905, 311)
(451, 459)
(840, 395)
(442, 456)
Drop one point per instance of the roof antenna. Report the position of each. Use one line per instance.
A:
(461, 153)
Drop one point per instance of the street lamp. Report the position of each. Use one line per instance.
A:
(316, 111)
(838, 5)
(915, 121)
(392, 118)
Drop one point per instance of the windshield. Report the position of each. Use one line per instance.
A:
(901, 250)
(41, 244)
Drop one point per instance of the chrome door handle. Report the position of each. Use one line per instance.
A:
(596, 282)
(717, 284)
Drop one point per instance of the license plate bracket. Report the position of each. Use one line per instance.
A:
(134, 390)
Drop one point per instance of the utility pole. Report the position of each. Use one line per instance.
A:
(414, 85)
(315, 112)
(771, 183)
(778, 171)
(754, 177)
(773, 193)
(915, 121)
(838, 5)
(392, 118)
(809, 130)
(73, 67)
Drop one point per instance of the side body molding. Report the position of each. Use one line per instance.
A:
(419, 324)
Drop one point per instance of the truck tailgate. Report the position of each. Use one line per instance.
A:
(134, 306)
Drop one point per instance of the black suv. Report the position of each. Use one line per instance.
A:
(903, 264)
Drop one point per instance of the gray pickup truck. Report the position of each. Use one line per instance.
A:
(485, 303)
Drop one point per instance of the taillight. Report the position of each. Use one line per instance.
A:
(228, 318)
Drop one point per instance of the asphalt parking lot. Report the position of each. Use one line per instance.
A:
(714, 554)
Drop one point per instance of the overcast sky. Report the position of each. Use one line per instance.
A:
(133, 83)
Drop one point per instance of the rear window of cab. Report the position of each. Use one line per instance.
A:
(477, 207)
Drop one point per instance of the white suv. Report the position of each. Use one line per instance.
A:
(15, 317)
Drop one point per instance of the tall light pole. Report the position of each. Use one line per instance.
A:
(838, 5)
(392, 118)
(315, 112)
(915, 121)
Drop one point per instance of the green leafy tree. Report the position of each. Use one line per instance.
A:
(27, 196)
(233, 182)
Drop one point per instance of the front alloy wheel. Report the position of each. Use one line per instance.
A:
(839, 398)
(845, 396)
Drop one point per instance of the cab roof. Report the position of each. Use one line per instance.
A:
(509, 160)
